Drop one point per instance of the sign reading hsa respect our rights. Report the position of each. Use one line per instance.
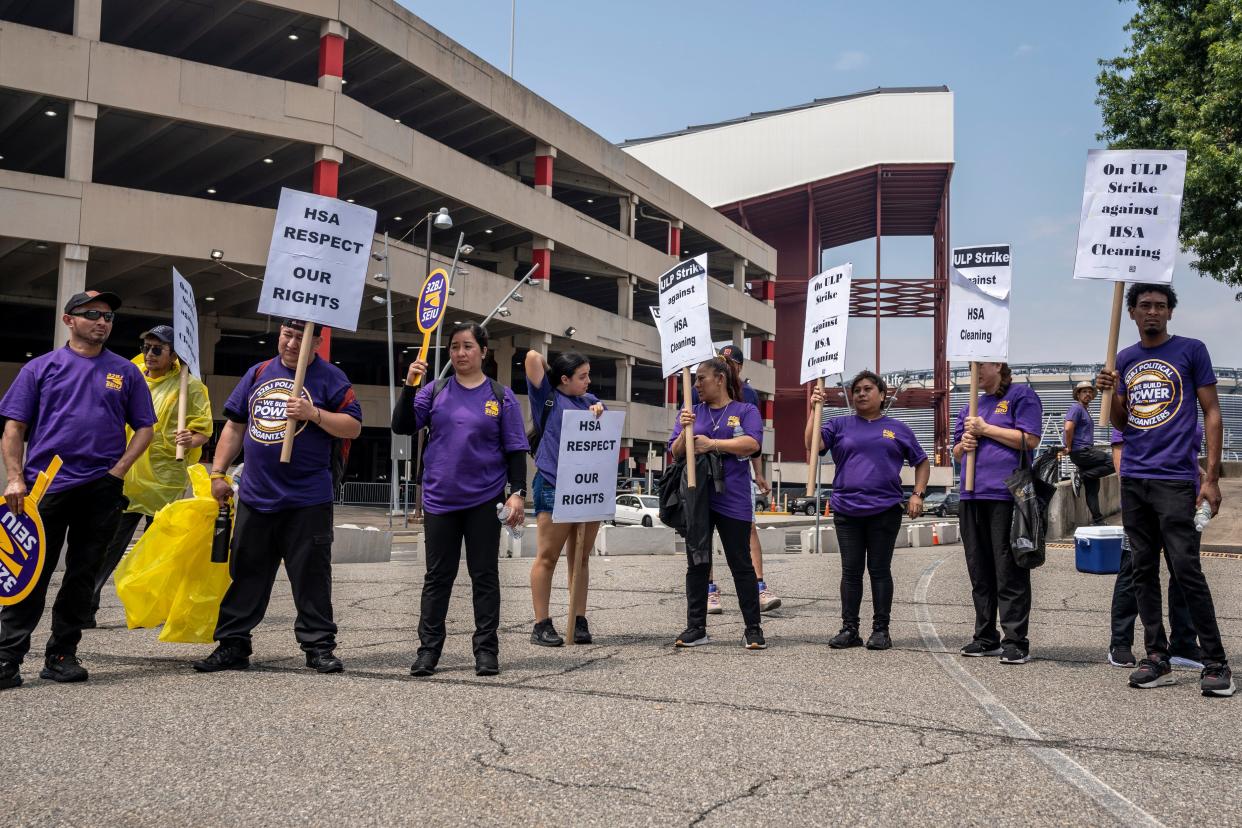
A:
(317, 264)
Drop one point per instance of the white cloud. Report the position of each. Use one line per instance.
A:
(1024, 50)
(1047, 227)
(848, 61)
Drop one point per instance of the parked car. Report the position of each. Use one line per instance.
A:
(638, 485)
(941, 504)
(641, 510)
(805, 504)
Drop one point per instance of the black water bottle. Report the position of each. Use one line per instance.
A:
(220, 538)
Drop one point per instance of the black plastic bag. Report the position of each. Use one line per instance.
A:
(1048, 467)
(1029, 530)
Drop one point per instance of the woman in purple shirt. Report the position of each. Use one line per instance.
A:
(732, 429)
(868, 449)
(572, 372)
(476, 442)
(1009, 417)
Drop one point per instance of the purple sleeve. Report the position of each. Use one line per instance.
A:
(21, 400)
(139, 409)
(237, 405)
(910, 448)
(342, 398)
(676, 431)
(1029, 416)
(512, 426)
(752, 423)
(959, 426)
(592, 399)
(1115, 438)
(422, 406)
(828, 435)
(1201, 366)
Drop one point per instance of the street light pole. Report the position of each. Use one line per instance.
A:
(393, 503)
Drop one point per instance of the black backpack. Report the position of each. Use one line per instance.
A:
(535, 434)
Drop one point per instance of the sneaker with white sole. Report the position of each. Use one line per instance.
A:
(1152, 672)
(713, 600)
(1216, 680)
(978, 649)
(768, 600)
(1010, 654)
(1121, 657)
(754, 640)
(692, 637)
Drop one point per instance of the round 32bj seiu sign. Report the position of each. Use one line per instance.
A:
(23, 545)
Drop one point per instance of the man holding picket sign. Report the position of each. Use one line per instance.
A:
(292, 412)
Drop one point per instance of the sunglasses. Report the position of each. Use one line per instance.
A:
(153, 350)
(95, 315)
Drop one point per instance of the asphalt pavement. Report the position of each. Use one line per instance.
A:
(629, 731)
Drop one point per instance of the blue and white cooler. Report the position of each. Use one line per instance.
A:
(1097, 549)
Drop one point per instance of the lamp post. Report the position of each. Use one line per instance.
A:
(386, 278)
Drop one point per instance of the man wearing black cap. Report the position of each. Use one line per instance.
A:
(284, 510)
(158, 478)
(75, 403)
(768, 600)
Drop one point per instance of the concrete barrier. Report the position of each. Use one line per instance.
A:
(772, 541)
(919, 534)
(948, 532)
(903, 539)
(1066, 512)
(827, 541)
(357, 544)
(524, 547)
(636, 540)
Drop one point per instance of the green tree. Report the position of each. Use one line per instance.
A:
(1179, 86)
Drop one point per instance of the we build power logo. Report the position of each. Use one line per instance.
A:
(23, 546)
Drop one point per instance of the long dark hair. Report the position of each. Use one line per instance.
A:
(728, 369)
(564, 365)
(1006, 379)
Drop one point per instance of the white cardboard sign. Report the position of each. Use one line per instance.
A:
(185, 324)
(979, 290)
(317, 264)
(586, 470)
(1131, 210)
(827, 319)
(684, 322)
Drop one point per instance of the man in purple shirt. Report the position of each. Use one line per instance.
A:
(1158, 382)
(1080, 446)
(284, 510)
(73, 403)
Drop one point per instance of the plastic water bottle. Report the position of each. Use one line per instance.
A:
(220, 536)
(502, 514)
(1202, 515)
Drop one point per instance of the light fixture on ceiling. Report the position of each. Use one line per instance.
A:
(29, 354)
(588, 278)
(349, 200)
(685, 251)
(211, 191)
(488, 231)
(396, 120)
(262, 341)
(443, 221)
(40, 245)
(397, 218)
(590, 201)
(293, 35)
(209, 298)
(570, 331)
(267, 161)
(51, 113)
(216, 254)
(1, 157)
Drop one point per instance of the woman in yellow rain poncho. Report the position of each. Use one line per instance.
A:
(158, 478)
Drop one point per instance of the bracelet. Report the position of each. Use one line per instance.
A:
(215, 475)
(318, 416)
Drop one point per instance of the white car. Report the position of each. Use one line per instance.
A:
(643, 510)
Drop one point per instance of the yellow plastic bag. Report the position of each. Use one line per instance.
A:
(168, 577)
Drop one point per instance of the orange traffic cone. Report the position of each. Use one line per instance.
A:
(827, 508)
(935, 534)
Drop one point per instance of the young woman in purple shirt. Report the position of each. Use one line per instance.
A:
(476, 443)
(732, 429)
(868, 449)
(572, 374)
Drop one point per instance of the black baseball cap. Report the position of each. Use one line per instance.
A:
(80, 299)
(164, 333)
(733, 352)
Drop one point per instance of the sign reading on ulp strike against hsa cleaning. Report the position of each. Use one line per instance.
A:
(979, 287)
(827, 317)
(317, 265)
(586, 470)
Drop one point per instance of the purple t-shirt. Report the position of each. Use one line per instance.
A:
(1084, 426)
(1161, 387)
(258, 401)
(471, 433)
(737, 419)
(1018, 408)
(868, 456)
(549, 451)
(77, 407)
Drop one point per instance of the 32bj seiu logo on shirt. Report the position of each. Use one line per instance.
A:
(267, 410)
(1153, 393)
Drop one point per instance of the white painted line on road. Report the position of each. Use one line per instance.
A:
(1126, 812)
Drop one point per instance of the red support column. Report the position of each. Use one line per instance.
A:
(674, 237)
(326, 174)
(543, 173)
(541, 254)
(332, 55)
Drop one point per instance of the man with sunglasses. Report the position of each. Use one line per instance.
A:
(74, 402)
(158, 478)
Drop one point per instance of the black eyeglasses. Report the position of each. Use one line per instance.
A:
(95, 315)
(153, 350)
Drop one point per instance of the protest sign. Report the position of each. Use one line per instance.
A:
(317, 264)
(432, 302)
(827, 318)
(586, 468)
(979, 288)
(185, 343)
(685, 327)
(23, 544)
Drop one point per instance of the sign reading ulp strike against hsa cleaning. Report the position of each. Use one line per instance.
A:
(317, 265)
(685, 327)
(586, 470)
(979, 288)
(1131, 209)
(827, 317)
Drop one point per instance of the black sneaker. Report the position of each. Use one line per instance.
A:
(323, 661)
(1121, 657)
(486, 664)
(582, 633)
(424, 664)
(1152, 672)
(753, 640)
(226, 657)
(879, 640)
(848, 637)
(10, 675)
(692, 637)
(978, 649)
(1216, 680)
(545, 635)
(1010, 654)
(63, 668)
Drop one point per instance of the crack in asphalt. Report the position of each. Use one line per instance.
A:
(503, 751)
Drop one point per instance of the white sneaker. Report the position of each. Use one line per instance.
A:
(713, 603)
(768, 600)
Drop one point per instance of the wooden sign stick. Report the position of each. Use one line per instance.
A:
(974, 412)
(1110, 358)
(812, 467)
(182, 392)
(299, 377)
(687, 400)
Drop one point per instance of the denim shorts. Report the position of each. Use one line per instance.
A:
(543, 493)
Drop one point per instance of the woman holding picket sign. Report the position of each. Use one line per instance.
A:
(572, 373)
(476, 442)
(868, 449)
(723, 425)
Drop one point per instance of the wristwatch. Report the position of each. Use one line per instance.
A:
(922, 494)
(519, 492)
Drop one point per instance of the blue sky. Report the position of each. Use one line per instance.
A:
(1023, 77)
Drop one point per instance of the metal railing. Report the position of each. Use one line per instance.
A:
(355, 493)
